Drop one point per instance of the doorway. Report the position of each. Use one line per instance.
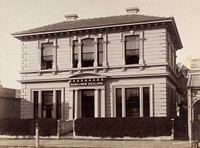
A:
(87, 103)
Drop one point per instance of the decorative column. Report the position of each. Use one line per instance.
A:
(96, 103)
(123, 41)
(39, 56)
(103, 103)
(39, 104)
(141, 102)
(95, 52)
(71, 44)
(190, 114)
(105, 46)
(54, 54)
(141, 48)
(62, 103)
(151, 101)
(76, 104)
(54, 104)
(123, 103)
(79, 53)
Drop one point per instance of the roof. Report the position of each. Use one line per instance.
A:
(194, 80)
(102, 22)
(94, 22)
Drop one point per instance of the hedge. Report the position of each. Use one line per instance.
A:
(121, 127)
(47, 127)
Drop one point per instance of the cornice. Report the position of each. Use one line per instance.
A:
(106, 77)
(107, 68)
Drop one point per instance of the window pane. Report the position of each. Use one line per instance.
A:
(47, 56)
(132, 102)
(88, 52)
(75, 54)
(47, 104)
(132, 42)
(118, 102)
(58, 104)
(35, 102)
(132, 49)
(100, 52)
(146, 102)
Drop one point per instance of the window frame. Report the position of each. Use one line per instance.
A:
(100, 52)
(97, 56)
(141, 39)
(40, 105)
(75, 47)
(86, 53)
(46, 64)
(141, 108)
(54, 54)
(133, 57)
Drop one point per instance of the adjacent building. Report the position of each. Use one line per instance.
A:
(115, 66)
(193, 95)
(9, 103)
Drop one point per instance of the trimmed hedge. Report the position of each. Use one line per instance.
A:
(121, 127)
(47, 127)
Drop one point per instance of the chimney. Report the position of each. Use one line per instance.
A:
(71, 17)
(132, 10)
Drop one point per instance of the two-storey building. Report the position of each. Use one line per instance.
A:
(116, 66)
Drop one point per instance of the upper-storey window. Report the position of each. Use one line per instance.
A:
(47, 56)
(132, 49)
(100, 52)
(75, 54)
(87, 52)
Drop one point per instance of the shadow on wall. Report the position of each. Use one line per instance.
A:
(67, 109)
(26, 109)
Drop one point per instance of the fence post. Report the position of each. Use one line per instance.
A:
(58, 129)
(37, 135)
(172, 135)
(74, 134)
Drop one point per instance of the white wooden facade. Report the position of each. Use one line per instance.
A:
(155, 70)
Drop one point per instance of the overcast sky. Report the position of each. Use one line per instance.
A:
(18, 15)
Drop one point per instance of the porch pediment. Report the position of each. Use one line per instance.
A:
(86, 76)
(86, 79)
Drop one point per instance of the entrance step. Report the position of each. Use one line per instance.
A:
(67, 136)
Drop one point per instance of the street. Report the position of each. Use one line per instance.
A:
(94, 143)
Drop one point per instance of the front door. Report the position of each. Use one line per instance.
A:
(87, 101)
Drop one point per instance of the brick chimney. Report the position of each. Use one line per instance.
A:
(71, 17)
(132, 10)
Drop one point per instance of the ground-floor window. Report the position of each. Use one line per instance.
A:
(89, 102)
(47, 104)
(132, 101)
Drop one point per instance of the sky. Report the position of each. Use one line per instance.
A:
(19, 15)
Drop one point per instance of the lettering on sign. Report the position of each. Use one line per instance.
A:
(86, 82)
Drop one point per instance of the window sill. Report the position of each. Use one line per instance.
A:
(39, 71)
(95, 69)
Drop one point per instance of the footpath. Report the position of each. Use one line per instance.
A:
(104, 143)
